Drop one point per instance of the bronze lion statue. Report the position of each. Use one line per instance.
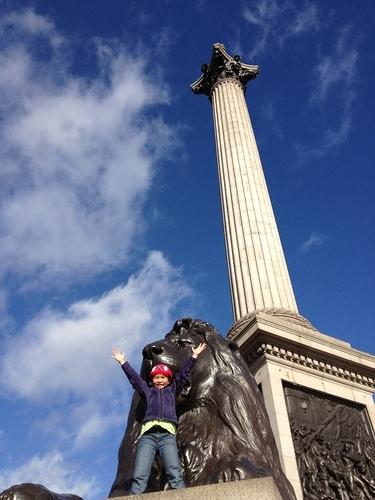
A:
(31, 491)
(224, 432)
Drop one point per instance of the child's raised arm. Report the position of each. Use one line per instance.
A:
(197, 350)
(182, 377)
(118, 356)
(136, 381)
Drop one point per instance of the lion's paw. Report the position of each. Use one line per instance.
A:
(236, 470)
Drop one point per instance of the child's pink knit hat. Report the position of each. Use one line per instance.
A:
(161, 370)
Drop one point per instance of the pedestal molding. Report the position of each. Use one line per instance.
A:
(313, 362)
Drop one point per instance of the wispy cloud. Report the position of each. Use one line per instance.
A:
(315, 240)
(304, 20)
(272, 119)
(54, 472)
(334, 80)
(276, 21)
(78, 156)
(31, 23)
(335, 71)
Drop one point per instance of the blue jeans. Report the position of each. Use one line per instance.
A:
(149, 444)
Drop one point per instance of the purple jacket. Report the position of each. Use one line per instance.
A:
(160, 403)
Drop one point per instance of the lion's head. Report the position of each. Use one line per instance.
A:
(224, 432)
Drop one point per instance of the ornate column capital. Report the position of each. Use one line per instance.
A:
(223, 67)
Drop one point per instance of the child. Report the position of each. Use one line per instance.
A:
(158, 432)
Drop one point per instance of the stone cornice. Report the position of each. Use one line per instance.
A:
(264, 336)
(282, 327)
(222, 67)
(309, 361)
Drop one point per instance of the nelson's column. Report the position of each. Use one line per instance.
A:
(317, 389)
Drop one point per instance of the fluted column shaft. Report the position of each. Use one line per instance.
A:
(258, 273)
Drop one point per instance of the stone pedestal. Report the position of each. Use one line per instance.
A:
(251, 489)
(297, 369)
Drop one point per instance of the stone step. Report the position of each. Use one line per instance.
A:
(250, 489)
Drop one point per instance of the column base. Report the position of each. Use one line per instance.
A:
(290, 316)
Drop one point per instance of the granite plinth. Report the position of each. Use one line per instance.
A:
(250, 489)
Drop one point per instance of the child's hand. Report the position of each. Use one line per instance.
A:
(118, 356)
(198, 350)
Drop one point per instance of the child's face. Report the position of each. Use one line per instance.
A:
(160, 381)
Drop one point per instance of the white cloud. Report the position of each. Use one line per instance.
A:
(315, 240)
(78, 158)
(54, 473)
(66, 354)
(69, 352)
(277, 21)
(94, 422)
(3, 301)
(6, 321)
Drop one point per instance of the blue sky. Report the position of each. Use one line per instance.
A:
(110, 221)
